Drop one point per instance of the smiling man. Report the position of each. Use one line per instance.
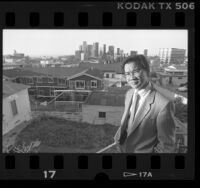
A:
(147, 124)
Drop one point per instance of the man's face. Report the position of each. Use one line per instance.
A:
(136, 78)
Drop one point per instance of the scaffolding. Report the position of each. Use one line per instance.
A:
(64, 101)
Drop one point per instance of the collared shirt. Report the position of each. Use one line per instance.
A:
(138, 99)
(143, 93)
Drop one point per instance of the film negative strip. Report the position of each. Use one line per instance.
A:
(65, 100)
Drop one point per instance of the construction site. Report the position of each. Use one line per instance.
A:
(63, 101)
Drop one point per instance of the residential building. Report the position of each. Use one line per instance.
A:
(16, 105)
(7, 66)
(109, 71)
(104, 107)
(173, 75)
(45, 82)
(18, 55)
(113, 79)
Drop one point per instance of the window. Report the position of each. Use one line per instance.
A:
(14, 107)
(52, 92)
(113, 75)
(93, 83)
(107, 75)
(50, 80)
(31, 91)
(29, 80)
(80, 84)
(40, 91)
(23, 80)
(39, 80)
(61, 81)
(45, 79)
(35, 79)
(71, 84)
(55, 80)
(102, 114)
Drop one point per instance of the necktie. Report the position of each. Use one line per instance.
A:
(133, 110)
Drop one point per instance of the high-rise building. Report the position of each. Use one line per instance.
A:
(80, 48)
(111, 50)
(85, 50)
(118, 51)
(177, 56)
(121, 52)
(145, 52)
(104, 49)
(172, 55)
(84, 46)
(164, 55)
(93, 50)
(132, 53)
(101, 52)
(82, 56)
(89, 49)
(96, 49)
(78, 54)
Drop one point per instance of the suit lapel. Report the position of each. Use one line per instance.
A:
(127, 107)
(143, 111)
(126, 112)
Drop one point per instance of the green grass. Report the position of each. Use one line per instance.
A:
(56, 132)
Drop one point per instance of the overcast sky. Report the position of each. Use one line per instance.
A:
(65, 42)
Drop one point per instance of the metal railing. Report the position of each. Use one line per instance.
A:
(107, 147)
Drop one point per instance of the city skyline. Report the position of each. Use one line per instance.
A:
(43, 42)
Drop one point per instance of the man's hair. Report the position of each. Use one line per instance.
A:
(139, 60)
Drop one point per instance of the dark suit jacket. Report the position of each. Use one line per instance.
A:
(153, 128)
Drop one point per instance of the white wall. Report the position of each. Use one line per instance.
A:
(90, 114)
(23, 107)
(111, 74)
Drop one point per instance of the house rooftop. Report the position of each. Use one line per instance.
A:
(94, 72)
(10, 88)
(116, 67)
(163, 74)
(13, 73)
(175, 67)
(121, 90)
(58, 71)
(51, 71)
(107, 98)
